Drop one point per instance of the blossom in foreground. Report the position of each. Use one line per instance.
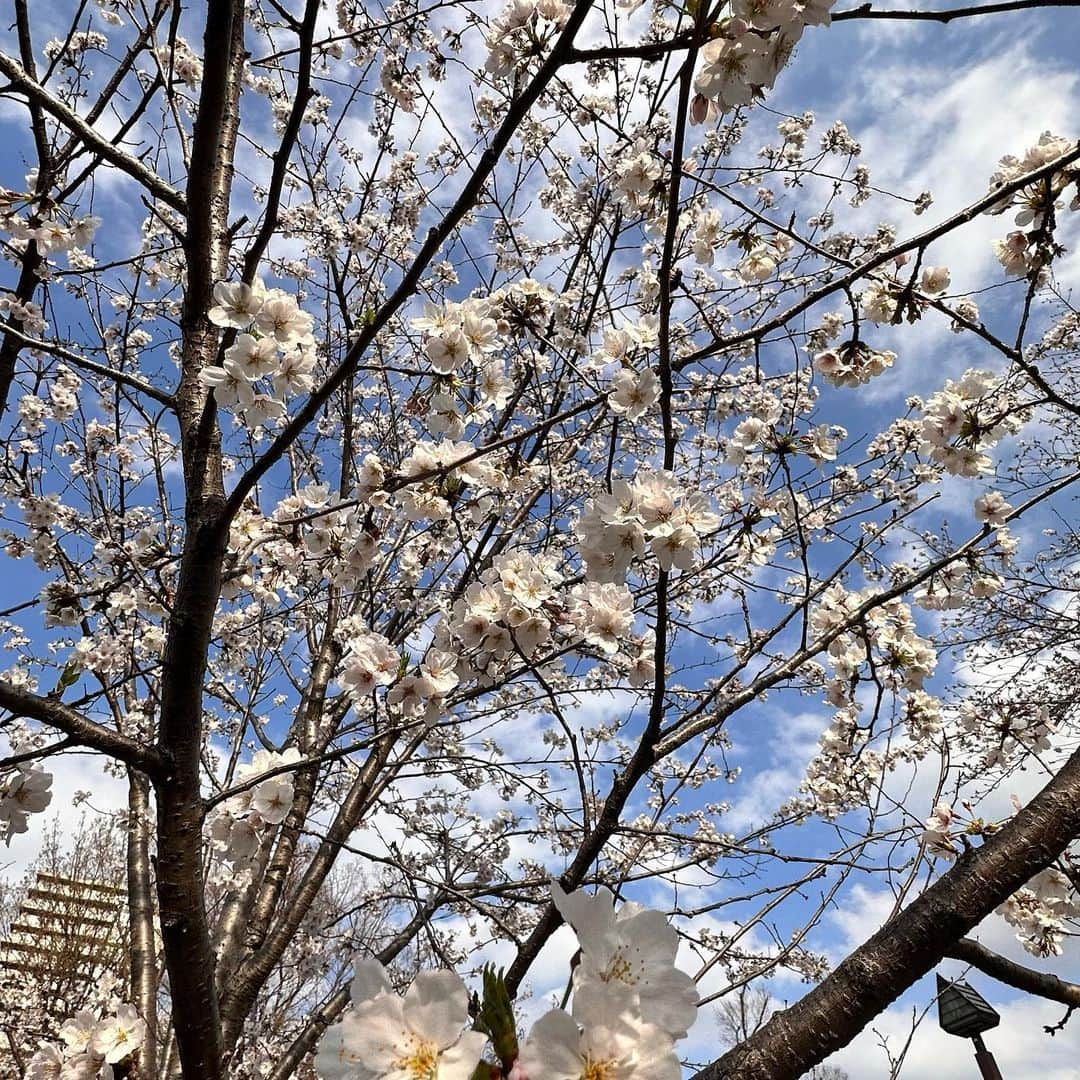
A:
(77, 1031)
(417, 1037)
(26, 791)
(612, 1044)
(632, 952)
(236, 304)
(45, 1064)
(117, 1037)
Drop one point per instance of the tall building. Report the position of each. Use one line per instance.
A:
(67, 936)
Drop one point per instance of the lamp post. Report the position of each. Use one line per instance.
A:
(964, 1012)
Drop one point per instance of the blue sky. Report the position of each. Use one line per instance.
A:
(934, 106)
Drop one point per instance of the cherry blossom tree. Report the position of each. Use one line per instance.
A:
(440, 447)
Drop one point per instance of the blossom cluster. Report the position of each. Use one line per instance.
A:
(435, 471)
(270, 323)
(1024, 250)
(753, 46)
(636, 176)
(238, 824)
(632, 393)
(339, 540)
(82, 41)
(1006, 731)
(511, 611)
(50, 234)
(371, 662)
(844, 768)
(853, 363)
(965, 418)
(518, 607)
(457, 336)
(26, 313)
(89, 1045)
(462, 349)
(177, 57)
(413, 1037)
(764, 257)
(1038, 912)
(630, 1006)
(513, 36)
(883, 638)
(653, 511)
(904, 658)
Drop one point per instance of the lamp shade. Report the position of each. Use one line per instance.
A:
(963, 1011)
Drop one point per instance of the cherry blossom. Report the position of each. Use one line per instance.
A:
(631, 950)
(26, 791)
(119, 1036)
(612, 1043)
(412, 1038)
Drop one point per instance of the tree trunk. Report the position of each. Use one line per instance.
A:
(189, 957)
(144, 975)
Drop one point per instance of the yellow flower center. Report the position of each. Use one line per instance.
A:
(420, 1061)
(620, 970)
(598, 1070)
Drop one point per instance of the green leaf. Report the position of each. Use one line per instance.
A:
(68, 677)
(496, 1017)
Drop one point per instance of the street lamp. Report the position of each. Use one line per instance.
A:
(964, 1012)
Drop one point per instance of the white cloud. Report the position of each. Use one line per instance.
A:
(770, 782)
(71, 773)
(942, 125)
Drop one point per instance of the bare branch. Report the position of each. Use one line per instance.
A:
(71, 120)
(86, 364)
(868, 11)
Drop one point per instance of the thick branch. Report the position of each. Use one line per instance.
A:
(55, 714)
(1008, 971)
(142, 948)
(911, 943)
(185, 932)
